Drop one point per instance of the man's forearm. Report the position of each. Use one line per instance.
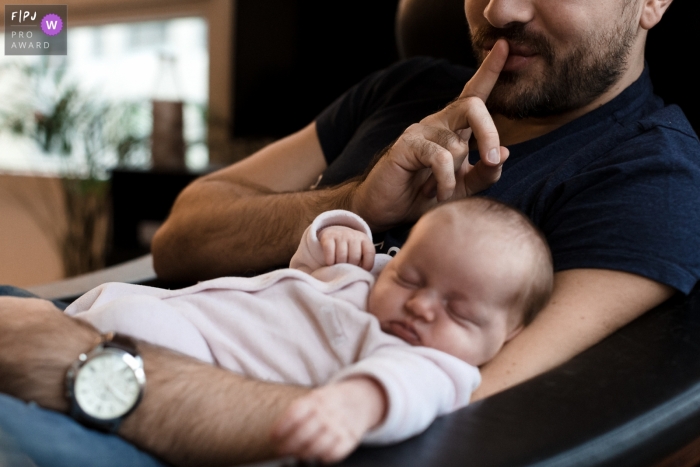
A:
(193, 414)
(587, 305)
(221, 228)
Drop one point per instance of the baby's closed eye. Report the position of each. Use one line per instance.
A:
(407, 280)
(461, 312)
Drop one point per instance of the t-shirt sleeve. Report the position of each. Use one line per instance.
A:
(337, 124)
(634, 209)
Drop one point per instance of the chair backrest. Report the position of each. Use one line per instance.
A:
(672, 55)
(438, 28)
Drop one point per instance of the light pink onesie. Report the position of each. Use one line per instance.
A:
(307, 325)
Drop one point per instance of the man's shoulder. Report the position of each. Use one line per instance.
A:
(420, 64)
(662, 137)
(638, 106)
(668, 118)
(427, 73)
(644, 129)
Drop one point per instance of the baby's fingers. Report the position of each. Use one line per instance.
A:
(328, 444)
(341, 251)
(338, 451)
(320, 448)
(354, 252)
(301, 442)
(367, 255)
(361, 252)
(294, 416)
(328, 246)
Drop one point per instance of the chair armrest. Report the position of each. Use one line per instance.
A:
(138, 270)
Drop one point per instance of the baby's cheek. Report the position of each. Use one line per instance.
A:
(382, 302)
(489, 350)
(464, 344)
(373, 302)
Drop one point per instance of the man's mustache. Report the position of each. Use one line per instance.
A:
(516, 34)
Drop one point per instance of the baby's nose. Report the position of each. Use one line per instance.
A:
(423, 305)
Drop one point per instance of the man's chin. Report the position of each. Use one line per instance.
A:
(513, 97)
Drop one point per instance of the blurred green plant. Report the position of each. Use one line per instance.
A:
(90, 136)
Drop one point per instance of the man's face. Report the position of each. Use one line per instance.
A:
(563, 53)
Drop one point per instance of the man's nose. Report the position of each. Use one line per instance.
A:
(423, 305)
(503, 13)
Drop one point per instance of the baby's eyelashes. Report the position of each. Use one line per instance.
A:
(461, 313)
(407, 281)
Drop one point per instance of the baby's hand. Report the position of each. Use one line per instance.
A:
(328, 423)
(345, 245)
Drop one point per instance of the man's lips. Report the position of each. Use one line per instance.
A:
(519, 55)
(403, 331)
(517, 62)
(513, 49)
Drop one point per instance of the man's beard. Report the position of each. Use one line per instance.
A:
(567, 83)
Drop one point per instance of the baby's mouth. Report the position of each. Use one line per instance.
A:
(403, 331)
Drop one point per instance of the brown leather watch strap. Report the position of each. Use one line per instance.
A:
(120, 341)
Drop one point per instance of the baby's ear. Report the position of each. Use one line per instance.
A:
(515, 332)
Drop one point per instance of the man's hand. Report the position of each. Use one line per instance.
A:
(345, 245)
(328, 423)
(428, 163)
(38, 344)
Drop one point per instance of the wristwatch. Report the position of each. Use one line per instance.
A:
(106, 384)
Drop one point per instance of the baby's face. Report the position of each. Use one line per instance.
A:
(449, 293)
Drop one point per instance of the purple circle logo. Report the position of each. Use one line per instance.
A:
(51, 24)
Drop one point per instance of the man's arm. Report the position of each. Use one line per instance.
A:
(250, 217)
(191, 413)
(194, 414)
(246, 217)
(587, 305)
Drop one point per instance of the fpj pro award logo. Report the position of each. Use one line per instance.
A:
(36, 29)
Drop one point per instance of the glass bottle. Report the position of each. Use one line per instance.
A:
(167, 140)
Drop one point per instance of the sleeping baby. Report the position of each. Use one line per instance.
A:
(388, 344)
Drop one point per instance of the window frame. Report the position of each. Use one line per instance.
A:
(219, 15)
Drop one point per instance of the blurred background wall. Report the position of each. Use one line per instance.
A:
(28, 255)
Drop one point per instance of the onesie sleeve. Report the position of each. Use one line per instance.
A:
(421, 384)
(309, 255)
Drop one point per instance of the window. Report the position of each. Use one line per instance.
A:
(119, 64)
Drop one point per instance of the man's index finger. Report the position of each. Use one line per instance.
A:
(486, 76)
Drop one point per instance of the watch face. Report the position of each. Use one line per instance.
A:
(106, 387)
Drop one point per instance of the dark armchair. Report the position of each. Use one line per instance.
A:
(633, 399)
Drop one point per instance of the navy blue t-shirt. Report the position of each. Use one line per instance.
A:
(618, 188)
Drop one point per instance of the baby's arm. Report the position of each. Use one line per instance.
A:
(328, 423)
(335, 237)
